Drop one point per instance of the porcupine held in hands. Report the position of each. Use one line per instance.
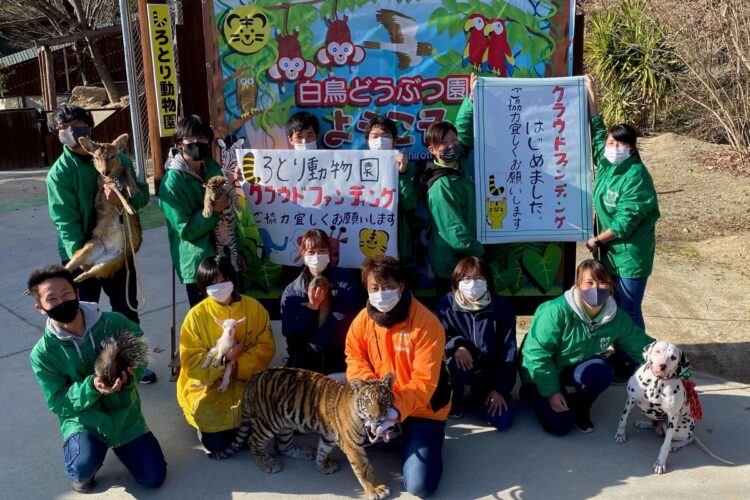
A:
(123, 353)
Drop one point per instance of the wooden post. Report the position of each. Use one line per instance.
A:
(151, 104)
(47, 77)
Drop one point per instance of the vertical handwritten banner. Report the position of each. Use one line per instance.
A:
(351, 195)
(162, 58)
(532, 157)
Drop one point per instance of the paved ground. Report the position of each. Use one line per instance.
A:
(479, 463)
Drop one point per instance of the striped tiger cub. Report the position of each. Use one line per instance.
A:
(279, 401)
(225, 238)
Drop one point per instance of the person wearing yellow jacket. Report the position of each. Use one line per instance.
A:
(216, 415)
(396, 334)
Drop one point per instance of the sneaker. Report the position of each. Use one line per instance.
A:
(149, 377)
(83, 487)
(584, 424)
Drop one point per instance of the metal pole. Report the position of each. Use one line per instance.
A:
(67, 75)
(132, 90)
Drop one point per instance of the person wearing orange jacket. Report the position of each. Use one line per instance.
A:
(396, 334)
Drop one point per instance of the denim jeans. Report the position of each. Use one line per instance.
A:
(422, 455)
(460, 378)
(590, 378)
(90, 290)
(84, 454)
(629, 297)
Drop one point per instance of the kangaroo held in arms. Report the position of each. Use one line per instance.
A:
(117, 235)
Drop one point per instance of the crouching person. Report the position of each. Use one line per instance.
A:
(396, 334)
(93, 416)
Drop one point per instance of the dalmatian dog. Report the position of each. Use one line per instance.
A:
(656, 387)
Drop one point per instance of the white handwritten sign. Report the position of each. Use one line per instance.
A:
(351, 195)
(532, 160)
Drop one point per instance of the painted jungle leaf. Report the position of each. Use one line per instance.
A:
(508, 281)
(542, 268)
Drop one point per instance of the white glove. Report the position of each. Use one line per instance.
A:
(391, 419)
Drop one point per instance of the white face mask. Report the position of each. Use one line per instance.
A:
(473, 289)
(378, 143)
(220, 292)
(386, 300)
(305, 146)
(616, 155)
(317, 262)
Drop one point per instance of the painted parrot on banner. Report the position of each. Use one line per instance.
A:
(499, 56)
(476, 46)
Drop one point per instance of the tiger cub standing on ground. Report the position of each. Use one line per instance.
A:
(225, 237)
(279, 401)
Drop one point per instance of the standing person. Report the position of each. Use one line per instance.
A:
(315, 317)
(626, 207)
(396, 334)
(216, 415)
(93, 416)
(480, 330)
(451, 201)
(380, 134)
(72, 186)
(627, 210)
(302, 130)
(563, 349)
(181, 197)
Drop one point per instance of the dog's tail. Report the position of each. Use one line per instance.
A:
(703, 447)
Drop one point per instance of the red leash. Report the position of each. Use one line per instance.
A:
(692, 396)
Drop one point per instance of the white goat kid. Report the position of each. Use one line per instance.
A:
(219, 351)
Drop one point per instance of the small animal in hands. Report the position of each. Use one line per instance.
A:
(277, 402)
(115, 238)
(669, 403)
(123, 353)
(225, 237)
(219, 351)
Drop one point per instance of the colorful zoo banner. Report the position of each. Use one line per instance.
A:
(351, 195)
(165, 74)
(346, 60)
(532, 160)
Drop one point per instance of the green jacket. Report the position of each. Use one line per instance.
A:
(64, 367)
(562, 335)
(465, 123)
(407, 200)
(625, 203)
(72, 185)
(190, 235)
(450, 199)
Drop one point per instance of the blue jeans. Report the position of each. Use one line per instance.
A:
(84, 454)
(590, 378)
(629, 297)
(422, 455)
(460, 378)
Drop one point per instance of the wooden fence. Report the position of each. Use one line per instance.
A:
(21, 135)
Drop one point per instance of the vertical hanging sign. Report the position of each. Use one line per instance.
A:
(162, 58)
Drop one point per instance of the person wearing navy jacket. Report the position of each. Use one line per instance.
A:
(318, 307)
(480, 331)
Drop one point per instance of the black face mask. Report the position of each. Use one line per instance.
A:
(197, 151)
(64, 312)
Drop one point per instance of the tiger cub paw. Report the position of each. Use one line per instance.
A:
(328, 467)
(378, 492)
(269, 465)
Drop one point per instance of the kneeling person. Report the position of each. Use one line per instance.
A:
(93, 416)
(397, 334)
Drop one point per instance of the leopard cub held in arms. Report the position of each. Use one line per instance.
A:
(225, 237)
(280, 401)
(117, 235)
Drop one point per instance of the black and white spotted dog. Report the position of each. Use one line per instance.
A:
(657, 388)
